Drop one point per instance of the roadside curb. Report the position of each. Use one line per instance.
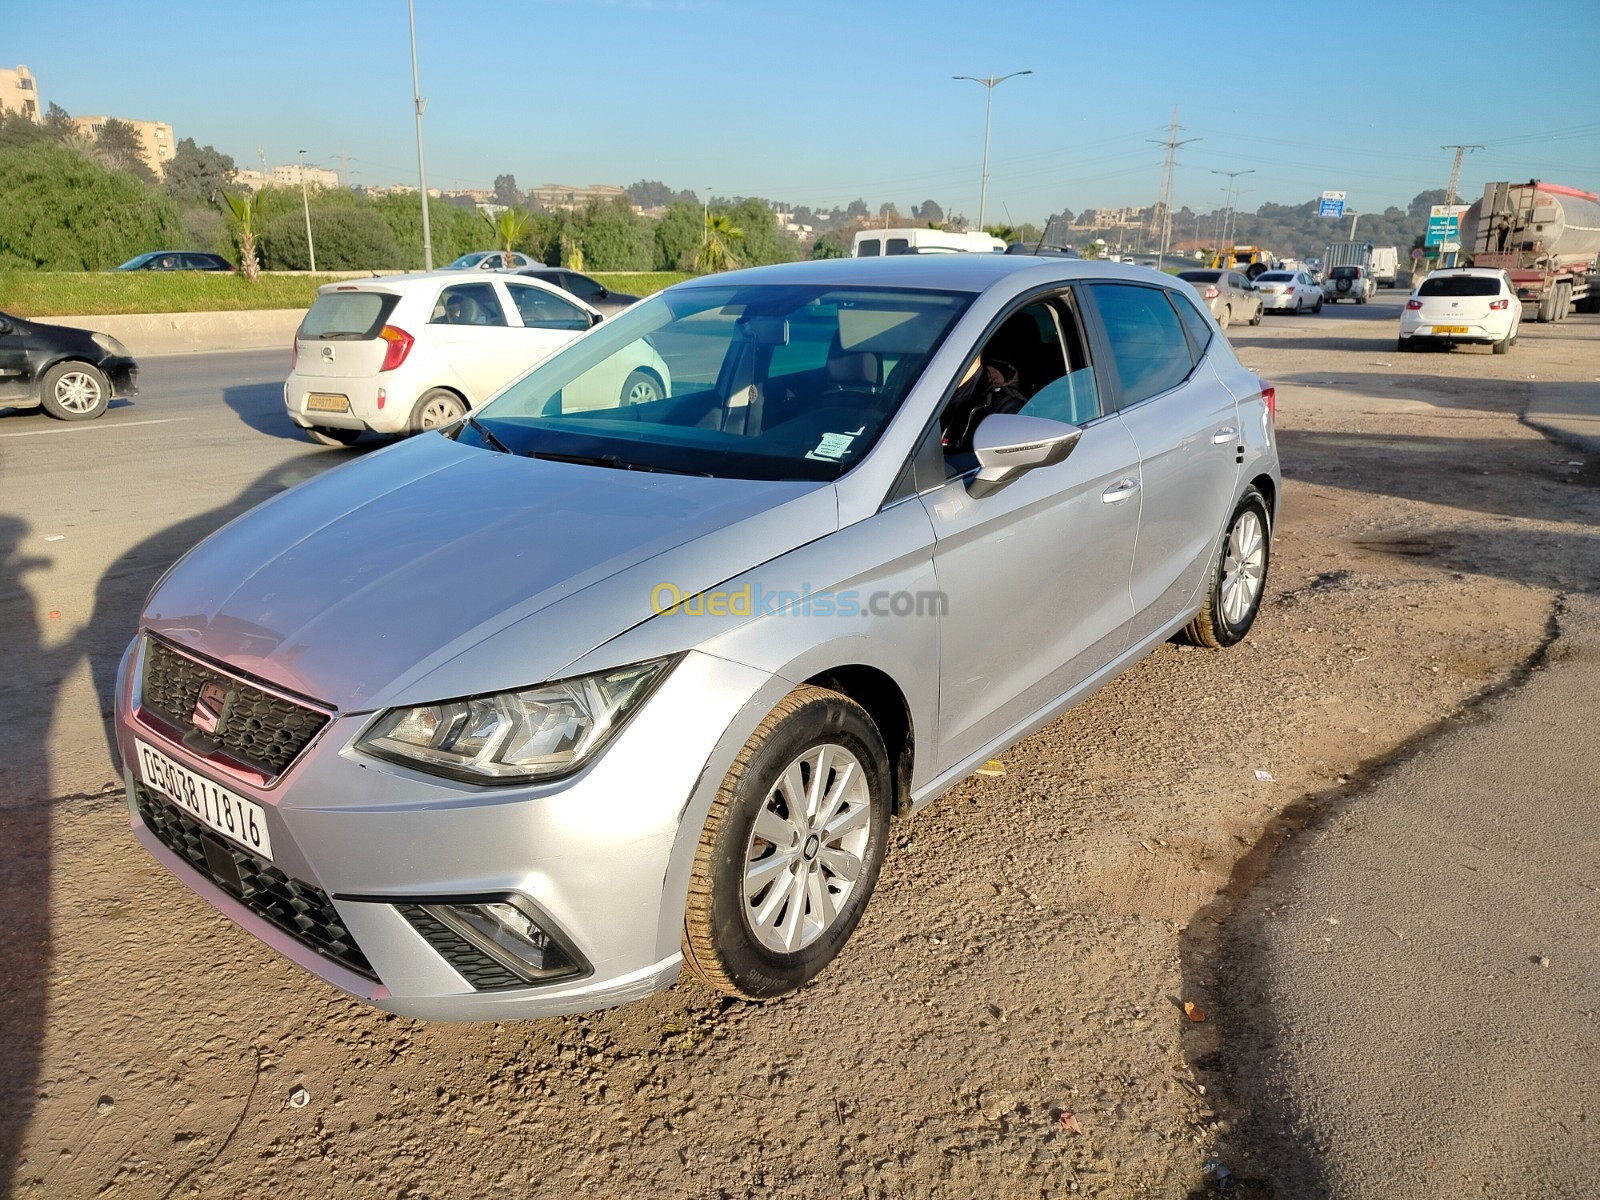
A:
(1569, 412)
(193, 333)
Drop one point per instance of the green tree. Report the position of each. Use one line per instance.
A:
(349, 238)
(117, 148)
(198, 173)
(716, 252)
(455, 231)
(679, 234)
(245, 211)
(64, 213)
(505, 191)
(617, 239)
(58, 123)
(829, 245)
(762, 242)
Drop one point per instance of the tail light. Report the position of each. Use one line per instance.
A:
(294, 353)
(1269, 397)
(1212, 293)
(1414, 304)
(399, 346)
(1499, 305)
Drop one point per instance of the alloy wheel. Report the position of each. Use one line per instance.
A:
(1243, 567)
(77, 391)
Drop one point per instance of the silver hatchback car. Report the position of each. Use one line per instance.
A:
(519, 717)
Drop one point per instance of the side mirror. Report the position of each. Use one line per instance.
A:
(1009, 446)
(595, 319)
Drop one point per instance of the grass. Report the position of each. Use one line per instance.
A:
(88, 293)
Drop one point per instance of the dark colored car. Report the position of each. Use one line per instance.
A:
(176, 260)
(73, 373)
(591, 291)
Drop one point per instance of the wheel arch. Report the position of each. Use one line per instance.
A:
(878, 693)
(1268, 488)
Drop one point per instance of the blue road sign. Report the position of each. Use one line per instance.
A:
(1331, 207)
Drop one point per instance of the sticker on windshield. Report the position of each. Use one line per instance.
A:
(835, 446)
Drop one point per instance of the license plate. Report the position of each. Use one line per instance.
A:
(324, 402)
(213, 805)
(1449, 328)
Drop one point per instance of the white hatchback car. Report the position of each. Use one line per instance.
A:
(1289, 291)
(405, 353)
(1472, 304)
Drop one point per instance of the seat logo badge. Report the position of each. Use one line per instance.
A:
(208, 707)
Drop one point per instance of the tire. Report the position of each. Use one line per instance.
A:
(75, 391)
(1260, 312)
(1255, 270)
(1503, 346)
(1404, 346)
(436, 407)
(1297, 306)
(1238, 576)
(324, 435)
(1547, 308)
(1317, 307)
(641, 387)
(1563, 300)
(1226, 318)
(742, 930)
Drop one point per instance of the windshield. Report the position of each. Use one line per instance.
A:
(347, 314)
(1460, 285)
(754, 382)
(1347, 272)
(468, 260)
(1275, 277)
(138, 260)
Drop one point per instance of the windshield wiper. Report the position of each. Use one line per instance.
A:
(613, 462)
(484, 433)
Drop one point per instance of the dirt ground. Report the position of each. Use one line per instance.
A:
(1009, 1020)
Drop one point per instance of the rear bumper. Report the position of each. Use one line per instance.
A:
(371, 404)
(1428, 329)
(1280, 303)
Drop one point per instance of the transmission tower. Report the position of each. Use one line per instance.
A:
(1455, 170)
(1165, 203)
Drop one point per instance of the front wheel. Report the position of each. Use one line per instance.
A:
(791, 848)
(74, 391)
(437, 407)
(641, 387)
(1256, 320)
(1238, 576)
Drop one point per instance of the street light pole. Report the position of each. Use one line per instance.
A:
(305, 200)
(990, 82)
(422, 174)
(1354, 217)
(1227, 217)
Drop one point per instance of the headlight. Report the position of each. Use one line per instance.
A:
(110, 344)
(516, 737)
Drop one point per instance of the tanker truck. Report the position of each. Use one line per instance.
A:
(1545, 237)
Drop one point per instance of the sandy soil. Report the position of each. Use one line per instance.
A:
(1009, 1020)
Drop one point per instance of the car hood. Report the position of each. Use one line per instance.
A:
(433, 570)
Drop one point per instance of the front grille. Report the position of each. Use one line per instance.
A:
(299, 909)
(471, 963)
(262, 729)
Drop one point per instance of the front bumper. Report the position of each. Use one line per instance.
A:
(123, 373)
(356, 843)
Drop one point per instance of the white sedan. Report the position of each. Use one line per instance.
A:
(1473, 304)
(1288, 291)
(406, 353)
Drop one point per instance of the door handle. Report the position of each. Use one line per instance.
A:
(1119, 491)
(1226, 434)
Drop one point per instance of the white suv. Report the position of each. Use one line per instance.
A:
(1348, 283)
(406, 353)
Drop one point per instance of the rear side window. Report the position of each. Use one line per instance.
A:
(468, 304)
(1194, 325)
(896, 246)
(1148, 344)
(347, 316)
(869, 248)
(540, 310)
(1460, 285)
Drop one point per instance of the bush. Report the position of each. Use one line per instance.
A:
(455, 231)
(347, 238)
(64, 213)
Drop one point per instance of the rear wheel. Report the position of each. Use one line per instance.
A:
(437, 406)
(1503, 346)
(74, 391)
(791, 848)
(1403, 345)
(1226, 318)
(324, 435)
(1238, 576)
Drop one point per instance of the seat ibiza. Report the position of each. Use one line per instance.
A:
(522, 716)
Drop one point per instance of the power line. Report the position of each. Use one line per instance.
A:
(1172, 143)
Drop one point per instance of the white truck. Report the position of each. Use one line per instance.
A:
(1385, 265)
(871, 243)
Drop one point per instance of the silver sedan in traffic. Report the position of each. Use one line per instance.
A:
(522, 716)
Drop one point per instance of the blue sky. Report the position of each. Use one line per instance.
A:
(822, 102)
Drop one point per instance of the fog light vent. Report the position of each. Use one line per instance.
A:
(495, 942)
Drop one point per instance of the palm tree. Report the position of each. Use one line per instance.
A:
(508, 228)
(246, 211)
(715, 253)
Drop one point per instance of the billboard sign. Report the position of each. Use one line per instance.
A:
(1444, 223)
(1332, 205)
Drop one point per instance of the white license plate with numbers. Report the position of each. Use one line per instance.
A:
(214, 806)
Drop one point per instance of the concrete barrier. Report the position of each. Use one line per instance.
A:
(147, 334)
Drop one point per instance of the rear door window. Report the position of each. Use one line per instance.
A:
(347, 316)
(896, 246)
(468, 304)
(1148, 345)
(869, 248)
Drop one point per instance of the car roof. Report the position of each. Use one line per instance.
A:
(1446, 272)
(959, 272)
(422, 280)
